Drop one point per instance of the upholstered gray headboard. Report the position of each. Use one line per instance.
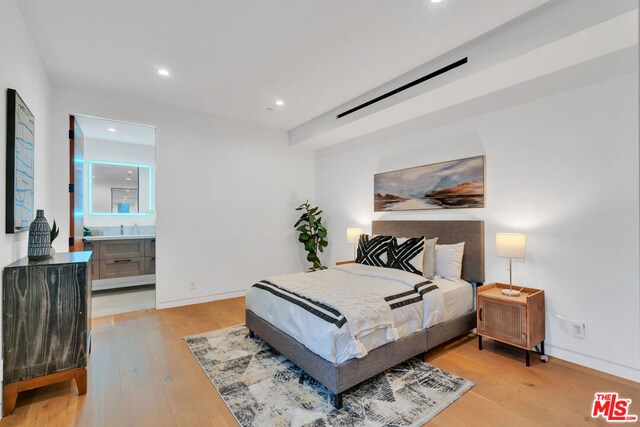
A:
(447, 232)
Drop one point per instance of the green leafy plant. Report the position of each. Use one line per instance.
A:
(54, 231)
(313, 235)
(86, 231)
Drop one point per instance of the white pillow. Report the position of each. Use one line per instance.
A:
(429, 264)
(449, 260)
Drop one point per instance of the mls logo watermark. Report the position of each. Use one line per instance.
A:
(612, 408)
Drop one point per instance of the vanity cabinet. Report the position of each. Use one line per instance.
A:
(150, 248)
(150, 265)
(122, 258)
(123, 267)
(95, 269)
(122, 249)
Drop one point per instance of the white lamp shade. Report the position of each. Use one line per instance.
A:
(353, 235)
(510, 245)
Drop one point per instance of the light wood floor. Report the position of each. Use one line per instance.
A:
(142, 373)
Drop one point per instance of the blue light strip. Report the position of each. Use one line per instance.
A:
(92, 162)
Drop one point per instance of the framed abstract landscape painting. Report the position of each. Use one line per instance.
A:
(20, 166)
(445, 185)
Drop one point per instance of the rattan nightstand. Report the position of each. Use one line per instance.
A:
(518, 321)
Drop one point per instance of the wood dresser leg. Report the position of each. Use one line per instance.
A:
(10, 396)
(81, 381)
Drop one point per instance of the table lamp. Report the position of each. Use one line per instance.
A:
(353, 236)
(510, 245)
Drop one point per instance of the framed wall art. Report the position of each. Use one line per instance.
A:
(445, 185)
(20, 164)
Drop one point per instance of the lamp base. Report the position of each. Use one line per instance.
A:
(511, 292)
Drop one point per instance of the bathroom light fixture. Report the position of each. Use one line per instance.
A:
(164, 72)
(279, 102)
(112, 130)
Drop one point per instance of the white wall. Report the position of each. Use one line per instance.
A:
(109, 151)
(21, 69)
(563, 170)
(225, 195)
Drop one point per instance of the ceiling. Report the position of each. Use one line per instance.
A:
(235, 58)
(123, 132)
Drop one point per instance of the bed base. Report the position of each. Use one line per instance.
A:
(340, 377)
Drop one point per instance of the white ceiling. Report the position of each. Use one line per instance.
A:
(127, 133)
(234, 58)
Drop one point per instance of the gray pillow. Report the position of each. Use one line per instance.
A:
(429, 260)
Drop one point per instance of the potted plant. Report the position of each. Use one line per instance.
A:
(54, 233)
(313, 234)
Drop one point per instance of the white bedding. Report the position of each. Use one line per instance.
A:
(337, 344)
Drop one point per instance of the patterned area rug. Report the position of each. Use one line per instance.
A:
(261, 388)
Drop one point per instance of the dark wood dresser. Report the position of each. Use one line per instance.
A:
(46, 323)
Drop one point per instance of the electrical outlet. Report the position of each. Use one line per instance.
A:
(578, 329)
(192, 285)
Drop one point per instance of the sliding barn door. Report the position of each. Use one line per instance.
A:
(76, 186)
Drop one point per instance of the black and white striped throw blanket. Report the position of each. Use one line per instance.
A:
(359, 297)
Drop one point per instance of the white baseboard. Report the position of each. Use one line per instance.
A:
(612, 368)
(198, 300)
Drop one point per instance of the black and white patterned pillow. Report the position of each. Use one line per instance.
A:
(372, 250)
(406, 254)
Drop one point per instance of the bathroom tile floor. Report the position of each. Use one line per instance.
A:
(122, 300)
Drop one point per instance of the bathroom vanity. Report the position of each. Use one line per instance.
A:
(122, 261)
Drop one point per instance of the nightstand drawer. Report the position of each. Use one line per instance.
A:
(503, 321)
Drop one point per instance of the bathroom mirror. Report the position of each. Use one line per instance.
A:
(120, 189)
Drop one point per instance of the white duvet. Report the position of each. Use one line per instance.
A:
(358, 293)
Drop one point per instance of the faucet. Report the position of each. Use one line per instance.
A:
(121, 230)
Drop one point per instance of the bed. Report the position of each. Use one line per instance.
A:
(329, 353)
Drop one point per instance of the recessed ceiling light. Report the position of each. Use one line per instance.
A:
(112, 130)
(128, 179)
(129, 171)
(279, 102)
(436, 1)
(164, 72)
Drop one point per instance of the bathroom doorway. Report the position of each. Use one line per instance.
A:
(112, 210)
